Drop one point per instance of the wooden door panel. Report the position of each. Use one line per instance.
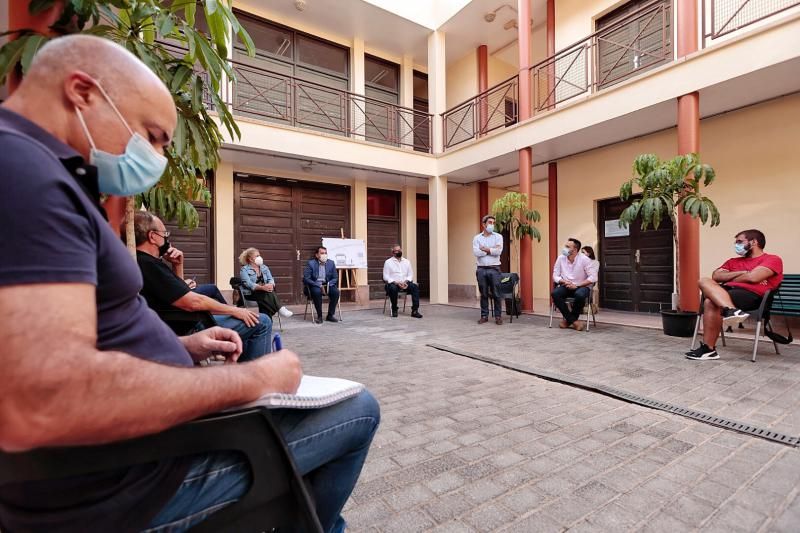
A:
(423, 267)
(382, 234)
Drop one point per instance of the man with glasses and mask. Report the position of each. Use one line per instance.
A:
(164, 288)
(399, 276)
(85, 361)
(574, 274)
(736, 287)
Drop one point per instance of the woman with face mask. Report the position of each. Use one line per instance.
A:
(259, 285)
(588, 251)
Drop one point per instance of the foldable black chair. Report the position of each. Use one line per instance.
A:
(276, 500)
(404, 292)
(307, 296)
(571, 301)
(244, 301)
(761, 315)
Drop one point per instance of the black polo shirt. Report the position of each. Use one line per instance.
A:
(162, 287)
(50, 216)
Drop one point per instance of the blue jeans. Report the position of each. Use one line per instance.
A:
(257, 340)
(210, 290)
(328, 445)
(489, 281)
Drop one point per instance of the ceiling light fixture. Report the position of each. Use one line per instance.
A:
(308, 166)
(494, 171)
(300, 5)
(491, 15)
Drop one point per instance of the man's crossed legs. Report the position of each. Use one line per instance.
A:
(721, 305)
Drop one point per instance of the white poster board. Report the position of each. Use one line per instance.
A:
(346, 253)
(612, 229)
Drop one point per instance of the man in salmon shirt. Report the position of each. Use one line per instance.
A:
(735, 287)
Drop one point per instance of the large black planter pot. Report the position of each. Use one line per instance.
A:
(678, 323)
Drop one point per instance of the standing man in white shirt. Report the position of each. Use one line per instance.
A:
(487, 247)
(574, 273)
(399, 276)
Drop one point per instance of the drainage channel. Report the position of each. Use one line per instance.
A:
(630, 397)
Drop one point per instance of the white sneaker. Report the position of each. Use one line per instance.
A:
(285, 313)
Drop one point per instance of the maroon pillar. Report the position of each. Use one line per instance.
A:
(688, 252)
(525, 154)
(483, 84)
(483, 202)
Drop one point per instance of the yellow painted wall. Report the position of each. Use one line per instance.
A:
(575, 18)
(462, 225)
(462, 76)
(754, 151)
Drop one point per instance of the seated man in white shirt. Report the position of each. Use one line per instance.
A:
(574, 273)
(398, 275)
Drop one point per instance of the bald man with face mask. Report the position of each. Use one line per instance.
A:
(84, 360)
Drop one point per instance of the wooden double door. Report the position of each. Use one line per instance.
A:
(197, 245)
(286, 220)
(636, 267)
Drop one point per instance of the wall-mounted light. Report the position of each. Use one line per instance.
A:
(494, 171)
(300, 5)
(491, 15)
(307, 167)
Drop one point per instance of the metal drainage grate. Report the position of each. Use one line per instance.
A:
(630, 397)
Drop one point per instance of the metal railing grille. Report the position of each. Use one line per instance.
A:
(728, 16)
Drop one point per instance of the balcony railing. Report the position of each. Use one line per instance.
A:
(494, 108)
(723, 17)
(284, 99)
(635, 43)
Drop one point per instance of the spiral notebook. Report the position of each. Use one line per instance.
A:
(314, 392)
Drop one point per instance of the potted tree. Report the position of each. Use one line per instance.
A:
(665, 187)
(512, 212)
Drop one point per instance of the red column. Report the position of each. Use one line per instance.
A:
(483, 202)
(552, 210)
(525, 154)
(483, 84)
(20, 18)
(551, 50)
(688, 141)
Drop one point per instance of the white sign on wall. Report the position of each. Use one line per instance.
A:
(346, 253)
(612, 229)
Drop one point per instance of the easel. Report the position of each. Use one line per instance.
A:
(347, 276)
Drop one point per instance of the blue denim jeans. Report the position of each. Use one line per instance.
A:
(328, 445)
(257, 340)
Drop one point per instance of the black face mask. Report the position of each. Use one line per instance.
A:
(164, 247)
(398, 254)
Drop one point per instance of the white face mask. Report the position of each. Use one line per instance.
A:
(323, 257)
(259, 260)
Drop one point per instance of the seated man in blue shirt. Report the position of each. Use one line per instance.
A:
(164, 287)
(96, 365)
(320, 277)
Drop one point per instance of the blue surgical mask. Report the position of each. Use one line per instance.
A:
(565, 252)
(134, 171)
(740, 248)
(490, 228)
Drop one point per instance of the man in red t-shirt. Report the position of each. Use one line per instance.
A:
(735, 287)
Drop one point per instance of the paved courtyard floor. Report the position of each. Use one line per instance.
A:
(469, 446)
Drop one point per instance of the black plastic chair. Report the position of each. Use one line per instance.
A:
(761, 315)
(276, 500)
(571, 301)
(509, 288)
(244, 301)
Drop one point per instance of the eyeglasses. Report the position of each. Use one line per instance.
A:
(164, 234)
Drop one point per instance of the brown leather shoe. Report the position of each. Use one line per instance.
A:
(563, 324)
(578, 326)
(483, 320)
(498, 321)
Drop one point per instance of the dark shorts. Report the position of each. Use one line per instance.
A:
(743, 299)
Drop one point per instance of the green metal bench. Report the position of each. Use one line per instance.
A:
(787, 303)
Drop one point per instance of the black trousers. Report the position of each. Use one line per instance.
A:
(316, 296)
(580, 294)
(489, 280)
(392, 289)
(268, 302)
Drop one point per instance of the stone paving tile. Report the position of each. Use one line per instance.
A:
(468, 446)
